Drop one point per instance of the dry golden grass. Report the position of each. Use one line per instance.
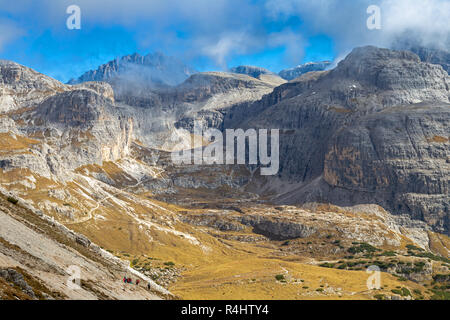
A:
(340, 110)
(439, 243)
(438, 139)
(214, 268)
(254, 278)
(10, 143)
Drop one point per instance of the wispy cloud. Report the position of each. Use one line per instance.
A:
(220, 30)
(345, 21)
(9, 32)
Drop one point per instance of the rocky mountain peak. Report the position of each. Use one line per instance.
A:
(153, 69)
(251, 71)
(434, 56)
(400, 75)
(292, 73)
(15, 75)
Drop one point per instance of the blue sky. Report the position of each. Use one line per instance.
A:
(207, 34)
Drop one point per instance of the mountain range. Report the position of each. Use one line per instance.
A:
(363, 179)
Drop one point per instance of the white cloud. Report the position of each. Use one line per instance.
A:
(8, 33)
(426, 20)
(345, 21)
(226, 45)
(222, 28)
(292, 41)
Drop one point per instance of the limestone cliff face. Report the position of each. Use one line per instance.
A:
(430, 55)
(96, 130)
(205, 97)
(292, 73)
(376, 127)
(20, 86)
(374, 130)
(401, 155)
(76, 125)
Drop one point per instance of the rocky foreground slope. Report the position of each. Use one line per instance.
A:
(42, 259)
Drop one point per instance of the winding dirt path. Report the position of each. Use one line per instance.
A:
(90, 215)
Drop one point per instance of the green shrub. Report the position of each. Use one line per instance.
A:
(441, 277)
(429, 255)
(388, 254)
(363, 247)
(397, 291)
(417, 291)
(12, 200)
(327, 265)
(405, 292)
(279, 277)
(134, 262)
(413, 247)
(440, 295)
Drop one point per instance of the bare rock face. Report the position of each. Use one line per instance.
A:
(151, 70)
(20, 86)
(214, 220)
(374, 130)
(204, 97)
(90, 121)
(77, 108)
(277, 229)
(290, 74)
(251, 71)
(79, 124)
(17, 279)
(435, 55)
(400, 153)
(102, 88)
(399, 75)
(376, 127)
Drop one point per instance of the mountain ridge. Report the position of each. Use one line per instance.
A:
(363, 175)
(295, 72)
(156, 69)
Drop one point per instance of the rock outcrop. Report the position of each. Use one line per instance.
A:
(385, 111)
(78, 124)
(292, 73)
(251, 71)
(204, 97)
(277, 229)
(151, 70)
